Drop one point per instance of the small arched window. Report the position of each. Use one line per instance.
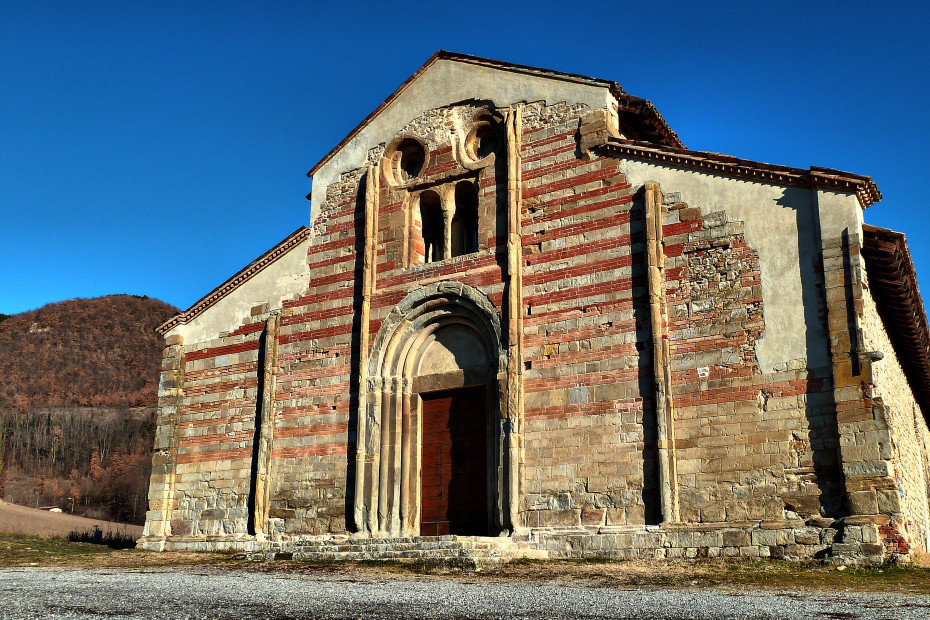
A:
(432, 221)
(465, 221)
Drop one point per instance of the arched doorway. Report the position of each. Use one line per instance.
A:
(451, 382)
(432, 449)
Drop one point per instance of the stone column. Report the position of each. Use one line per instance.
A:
(266, 431)
(661, 358)
(514, 409)
(369, 276)
(864, 440)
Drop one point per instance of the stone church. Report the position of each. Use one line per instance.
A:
(526, 320)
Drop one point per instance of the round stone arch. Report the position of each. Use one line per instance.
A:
(444, 336)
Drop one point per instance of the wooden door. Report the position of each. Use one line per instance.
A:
(454, 465)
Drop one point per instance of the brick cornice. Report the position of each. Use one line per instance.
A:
(243, 275)
(714, 163)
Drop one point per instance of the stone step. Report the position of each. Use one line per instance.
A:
(467, 549)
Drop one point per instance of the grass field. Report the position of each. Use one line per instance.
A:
(22, 520)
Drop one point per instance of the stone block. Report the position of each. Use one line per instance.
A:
(736, 538)
(282, 513)
(616, 516)
(888, 501)
(689, 213)
(770, 538)
(213, 513)
(592, 516)
(844, 549)
(852, 533)
(558, 518)
(863, 502)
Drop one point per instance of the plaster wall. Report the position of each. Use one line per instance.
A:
(780, 223)
(282, 279)
(444, 83)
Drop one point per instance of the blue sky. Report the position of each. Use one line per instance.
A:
(157, 148)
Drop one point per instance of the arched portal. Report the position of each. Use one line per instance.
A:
(432, 439)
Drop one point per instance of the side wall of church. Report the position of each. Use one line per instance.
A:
(910, 439)
(749, 445)
(213, 431)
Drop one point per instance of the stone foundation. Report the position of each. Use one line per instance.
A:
(844, 541)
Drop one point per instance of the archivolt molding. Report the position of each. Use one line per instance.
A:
(388, 465)
(438, 302)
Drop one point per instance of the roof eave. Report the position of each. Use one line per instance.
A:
(893, 281)
(715, 163)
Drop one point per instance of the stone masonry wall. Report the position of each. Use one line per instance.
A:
(910, 439)
(749, 446)
(585, 321)
(214, 432)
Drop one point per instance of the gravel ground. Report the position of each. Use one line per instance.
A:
(206, 593)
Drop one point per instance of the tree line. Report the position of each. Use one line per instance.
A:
(78, 387)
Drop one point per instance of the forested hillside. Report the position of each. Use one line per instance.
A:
(78, 385)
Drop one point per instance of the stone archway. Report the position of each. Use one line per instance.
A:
(440, 338)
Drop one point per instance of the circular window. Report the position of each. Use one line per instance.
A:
(484, 139)
(412, 159)
(404, 160)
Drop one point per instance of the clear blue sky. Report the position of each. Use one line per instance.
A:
(156, 148)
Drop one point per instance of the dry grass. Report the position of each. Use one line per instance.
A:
(23, 520)
(28, 550)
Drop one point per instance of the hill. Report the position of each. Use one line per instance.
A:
(78, 387)
(86, 352)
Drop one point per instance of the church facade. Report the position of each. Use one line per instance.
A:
(525, 314)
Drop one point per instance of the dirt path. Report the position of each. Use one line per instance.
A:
(23, 520)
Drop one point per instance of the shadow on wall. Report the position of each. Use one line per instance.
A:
(820, 407)
(355, 360)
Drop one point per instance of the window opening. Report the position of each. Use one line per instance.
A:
(412, 159)
(431, 218)
(404, 159)
(484, 138)
(465, 221)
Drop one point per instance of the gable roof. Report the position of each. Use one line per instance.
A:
(638, 115)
